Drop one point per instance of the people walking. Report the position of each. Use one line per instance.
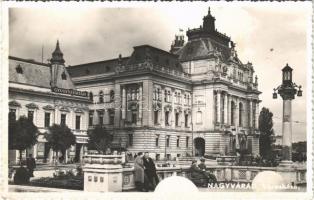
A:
(139, 175)
(150, 171)
(31, 165)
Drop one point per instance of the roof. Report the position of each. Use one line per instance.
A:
(38, 74)
(202, 48)
(157, 56)
(33, 73)
(287, 68)
(140, 54)
(95, 68)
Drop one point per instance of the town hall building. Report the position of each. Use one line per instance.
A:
(198, 99)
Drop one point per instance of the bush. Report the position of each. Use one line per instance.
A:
(21, 176)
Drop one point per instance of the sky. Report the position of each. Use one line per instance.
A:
(268, 35)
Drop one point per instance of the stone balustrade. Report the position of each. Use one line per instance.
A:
(106, 173)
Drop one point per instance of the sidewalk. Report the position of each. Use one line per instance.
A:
(23, 188)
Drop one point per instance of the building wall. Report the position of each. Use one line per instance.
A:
(44, 101)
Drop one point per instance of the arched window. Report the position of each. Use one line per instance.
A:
(232, 113)
(240, 113)
(91, 96)
(111, 95)
(199, 116)
(101, 96)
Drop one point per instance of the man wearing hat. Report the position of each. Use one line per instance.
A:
(202, 165)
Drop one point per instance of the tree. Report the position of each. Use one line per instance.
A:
(22, 134)
(99, 139)
(60, 138)
(266, 133)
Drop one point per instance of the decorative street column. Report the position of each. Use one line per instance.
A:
(218, 93)
(287, 91)
(226, 109)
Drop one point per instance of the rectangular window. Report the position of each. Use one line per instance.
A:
(90, 118)
(30, 115)
(167, 140)
(187, 141)
(12, 115)
(157, 157)
(157, 141)
(178, 141)
(134, 118)
(167, 118)
(78, 122)
(168, 156)
(186, 120)
(63, 119)
(47, 119)
(177, 119)
(111, 117)
(178, 155)
(130, 139)
(156, 117)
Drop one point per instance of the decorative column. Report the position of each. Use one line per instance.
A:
(56, 116)
(140, 107)
(117, 105)
(236, 114)
(229, 109)
(218, 93)
(172, 114)
(95, 118)
(226, 109)
(147, 97)
(251, 114)
(123, 103)
(162, 111)
(256, 114)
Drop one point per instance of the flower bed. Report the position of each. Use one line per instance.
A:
(64, 182)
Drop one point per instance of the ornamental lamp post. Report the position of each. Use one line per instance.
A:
(287, 90)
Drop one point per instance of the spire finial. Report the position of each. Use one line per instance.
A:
(57, 55)
(208, 10)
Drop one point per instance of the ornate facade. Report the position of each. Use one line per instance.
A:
(198, 99)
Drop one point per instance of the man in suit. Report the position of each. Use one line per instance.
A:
(31, 165)
(150, 171)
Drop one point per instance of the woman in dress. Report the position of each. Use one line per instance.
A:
(139, 172)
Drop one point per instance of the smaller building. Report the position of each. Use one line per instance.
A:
(46, 94)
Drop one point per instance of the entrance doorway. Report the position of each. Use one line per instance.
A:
(78, 147)
(199, 144)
